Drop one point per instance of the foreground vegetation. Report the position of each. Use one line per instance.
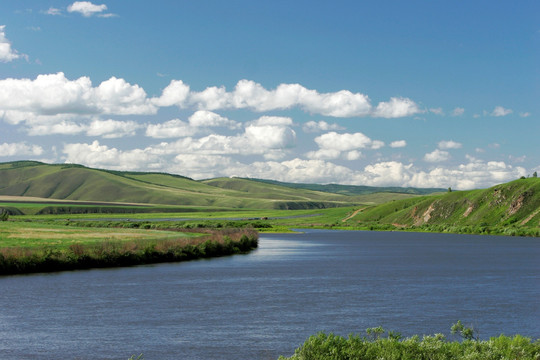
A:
(376, 346)
(34, 247)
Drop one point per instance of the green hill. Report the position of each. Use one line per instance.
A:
(76, 182)
(512, 205)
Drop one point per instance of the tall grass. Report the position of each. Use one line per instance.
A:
(435, 347)
(17, 260)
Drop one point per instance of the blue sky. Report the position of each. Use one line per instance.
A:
(383, 93)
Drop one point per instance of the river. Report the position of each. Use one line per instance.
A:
(266, 303)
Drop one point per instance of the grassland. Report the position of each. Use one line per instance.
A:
(39, 192)
(27, 246)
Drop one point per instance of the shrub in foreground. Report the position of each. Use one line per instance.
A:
(436, 347)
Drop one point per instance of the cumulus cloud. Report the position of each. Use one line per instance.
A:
(463, 177)
(346, 142)
(319, 126)
(110, 129)
(458, 111)
(176, 93)
(204, 118)
(63, 127)
(437, 156)
(396, 107)
(20, 149)
(524, 114)
(55, 94)
(398, 144)
(170, 129)
(87, 9)
(333, 145)
(102, 156)
(449, 144)
(248, 94)
(7, 53)
(271, 136)
(500, 111)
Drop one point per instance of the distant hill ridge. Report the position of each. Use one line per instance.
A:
(77, 182)
(352, 190)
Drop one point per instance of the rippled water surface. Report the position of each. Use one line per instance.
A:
(266, 303)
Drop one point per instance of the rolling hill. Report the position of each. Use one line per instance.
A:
(79, 183)
(511, 205)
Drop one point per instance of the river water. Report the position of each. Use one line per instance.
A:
(266, 303)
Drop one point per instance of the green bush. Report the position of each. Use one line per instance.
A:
(376, 346)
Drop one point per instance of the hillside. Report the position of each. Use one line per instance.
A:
(512, 205)
(76, 182)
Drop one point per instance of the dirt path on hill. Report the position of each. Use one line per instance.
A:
(353, 214)
(530, 217)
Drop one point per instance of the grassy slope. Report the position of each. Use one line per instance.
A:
(73, 182)
(516, 203)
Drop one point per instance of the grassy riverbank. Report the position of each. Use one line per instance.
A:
(27, 247)
(436, 347)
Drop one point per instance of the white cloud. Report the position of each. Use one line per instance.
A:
(170, 129)
(68, 125)
(396, 107)
(346, 142)
(86, 8)
(117, 96)
(248, 94)
(101, 156)
(324, 154)
(437, 156)
(353, 155)
(204, 118)
(51, 100)
(398, 144)
(20, 149)
(63, 127)
(500, 111)
(458, 111)
(176, 93)
(466, 176)
(333, 145)
(110, 129)
(525, 114)
(53, 11)
(449, 144)
(7, 53)
(270, 136)
(319, 126)
(273, 120)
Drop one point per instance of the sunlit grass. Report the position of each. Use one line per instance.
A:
(29, 234)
